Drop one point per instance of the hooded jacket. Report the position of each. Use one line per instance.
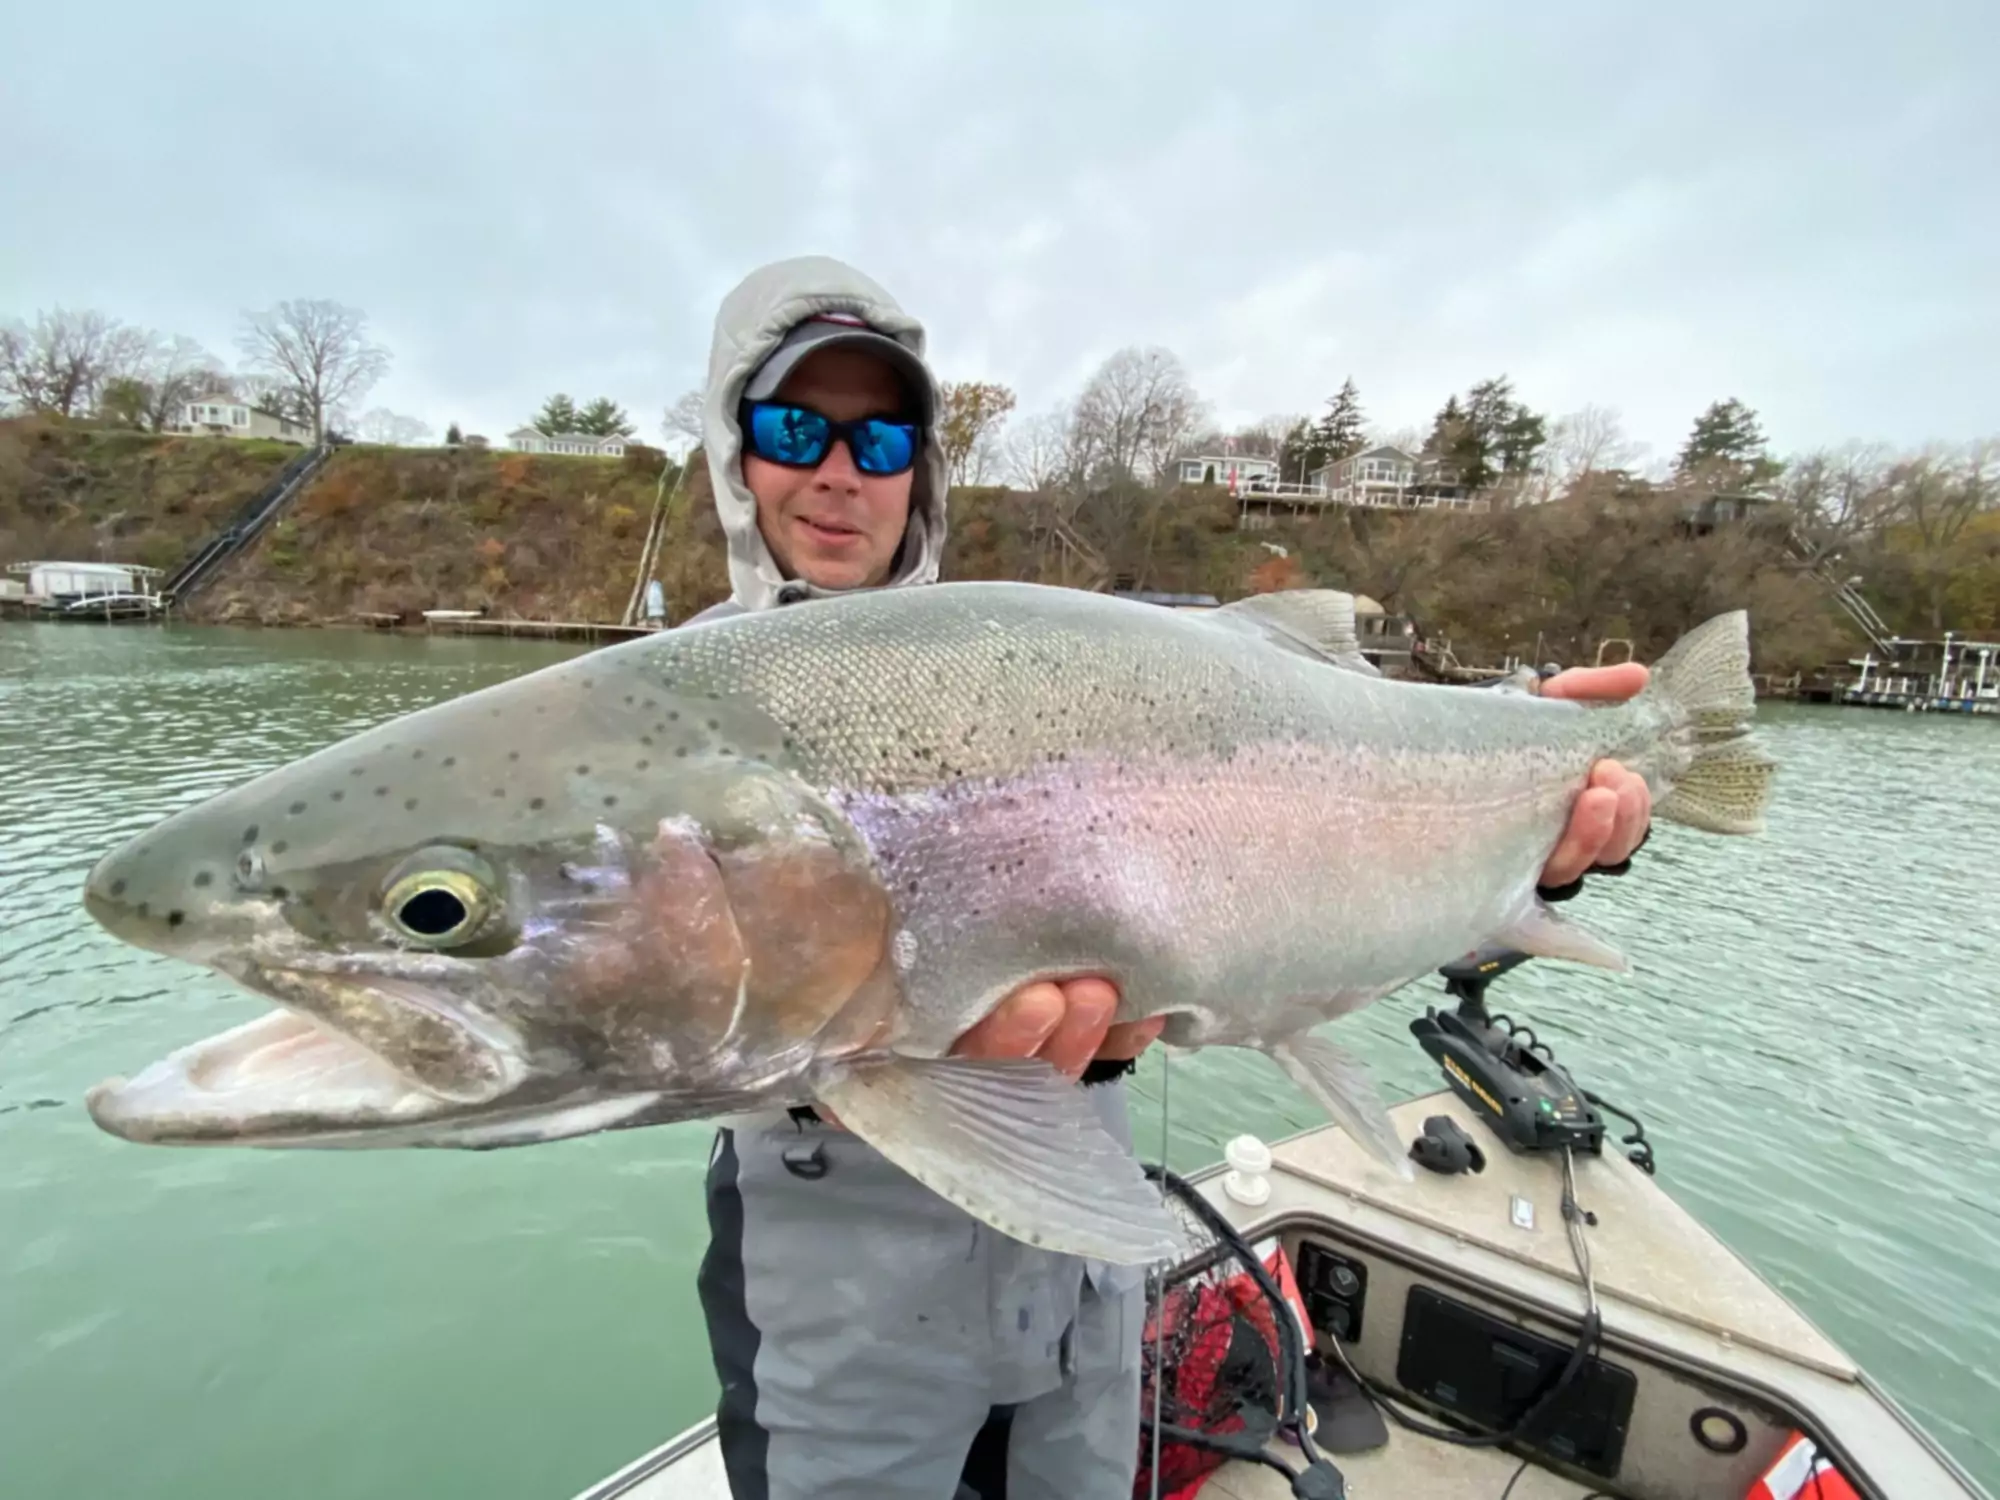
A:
(753, 321)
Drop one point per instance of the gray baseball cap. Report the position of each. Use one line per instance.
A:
(840, 330)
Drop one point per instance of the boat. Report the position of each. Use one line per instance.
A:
(1457, 1301)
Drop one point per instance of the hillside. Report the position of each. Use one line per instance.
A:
(78, 492)
(399, 530)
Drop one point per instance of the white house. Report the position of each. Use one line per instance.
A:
(581, 444)
(1227, 468)
(1375, 476)
(61, 582)
(223, 416)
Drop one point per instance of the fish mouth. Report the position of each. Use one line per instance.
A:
(338, 1057)
(282, 1076)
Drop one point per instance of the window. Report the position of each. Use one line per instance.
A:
(240, 416)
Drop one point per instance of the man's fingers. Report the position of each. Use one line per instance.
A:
(1598, 684)
(1091, 1003)
(1590, 826)
(1635, 812)
(1127, 1040)
(1018, 1026)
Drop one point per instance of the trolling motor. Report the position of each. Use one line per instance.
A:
(1503, 1073)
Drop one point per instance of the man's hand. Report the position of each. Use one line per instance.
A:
(1612, 814)
(1068, 1022)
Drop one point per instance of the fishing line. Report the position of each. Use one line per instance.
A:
(1160, 1285)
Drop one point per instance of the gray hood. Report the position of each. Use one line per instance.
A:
(754, 319)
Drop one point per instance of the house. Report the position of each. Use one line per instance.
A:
(1374, 476)
(580, 444)
(1387, 477)
(66, 582)
(1227, 468)
(223, 416)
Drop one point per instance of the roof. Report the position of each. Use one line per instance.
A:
(82, 567)
(569, 437)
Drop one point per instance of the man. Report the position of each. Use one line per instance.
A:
(864, 1330)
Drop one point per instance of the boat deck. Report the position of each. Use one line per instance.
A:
(1408, 1467)
(1698, 1327)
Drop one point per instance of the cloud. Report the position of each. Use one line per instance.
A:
(1645, 210)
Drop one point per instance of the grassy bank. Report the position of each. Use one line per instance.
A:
(401, 530)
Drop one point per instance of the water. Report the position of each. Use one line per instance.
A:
(1807, 1036)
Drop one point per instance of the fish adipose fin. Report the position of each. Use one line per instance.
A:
(1340, 1082)
(1706, 675)
(1312, 622)
(1017, 1146)
(1544, 934)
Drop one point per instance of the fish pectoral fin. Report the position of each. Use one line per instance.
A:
(1340, 1081)
(1017, 1146)
(1543, 934)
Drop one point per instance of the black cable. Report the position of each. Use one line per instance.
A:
(1589, 1337)
(1641, 1155)
(1515, 1480)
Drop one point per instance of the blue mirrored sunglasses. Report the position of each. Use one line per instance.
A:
(800, 438)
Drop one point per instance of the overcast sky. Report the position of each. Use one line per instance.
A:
(1643, 207)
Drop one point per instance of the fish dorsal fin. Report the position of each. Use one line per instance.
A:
(1312, 622)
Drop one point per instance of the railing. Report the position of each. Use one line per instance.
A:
(251, 517)
(1849, 598)
(1364, 499)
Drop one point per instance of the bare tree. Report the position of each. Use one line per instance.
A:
(62, 363)
(969, 418)
(1589, 441)
(317, 349)
(1137, 411)
(1037, 454)
(176, 371)
(682, 424)
(1931, 499)
(384, 426)
(1836, 496)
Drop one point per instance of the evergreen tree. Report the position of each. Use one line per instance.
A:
(604, 418)
(1727, 433)
(1448, 433)
(1302, 453)
(453, 437)
(557, 416)
(124, 401)
(1489, 435)
(1343, 431)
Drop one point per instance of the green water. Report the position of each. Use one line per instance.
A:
(1810, 1035)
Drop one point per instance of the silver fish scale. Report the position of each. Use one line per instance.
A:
(902, 690)
(1053, 782)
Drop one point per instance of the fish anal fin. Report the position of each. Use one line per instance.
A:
(1341, 1083)
(1016, 1145)
(1543, 934)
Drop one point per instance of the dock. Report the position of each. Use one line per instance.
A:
(473, 622)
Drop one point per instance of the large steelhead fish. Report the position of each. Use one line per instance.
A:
(792, 856)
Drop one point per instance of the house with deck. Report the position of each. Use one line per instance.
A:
(1239, 470)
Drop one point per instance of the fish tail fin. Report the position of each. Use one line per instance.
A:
(1704, 680)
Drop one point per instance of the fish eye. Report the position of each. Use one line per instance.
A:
(439, 908)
